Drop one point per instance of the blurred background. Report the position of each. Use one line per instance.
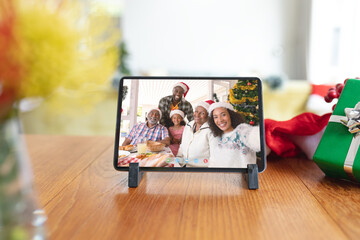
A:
(297, 47)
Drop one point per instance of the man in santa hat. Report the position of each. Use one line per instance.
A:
(176, 101)
(149, 130)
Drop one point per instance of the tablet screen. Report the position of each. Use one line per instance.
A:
(189, 124)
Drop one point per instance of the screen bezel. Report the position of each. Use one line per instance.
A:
(261, 163)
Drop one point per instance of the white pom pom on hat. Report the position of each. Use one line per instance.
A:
(173, 112)
(219, 105)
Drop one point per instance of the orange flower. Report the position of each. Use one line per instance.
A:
(10, 73)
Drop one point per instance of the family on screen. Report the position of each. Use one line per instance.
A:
(214, 131)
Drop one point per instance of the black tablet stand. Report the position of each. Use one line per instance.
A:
(252, 176)
(135, 176)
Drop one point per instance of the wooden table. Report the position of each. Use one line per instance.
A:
(85, 198)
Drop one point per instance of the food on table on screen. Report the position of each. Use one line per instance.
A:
(146, 160)
(156, 160)
(155, 146)
(141, 156)
(127, 147)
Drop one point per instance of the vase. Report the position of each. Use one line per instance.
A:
(20, 216)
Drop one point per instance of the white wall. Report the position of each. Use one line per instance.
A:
(335, 38)
(210, 37)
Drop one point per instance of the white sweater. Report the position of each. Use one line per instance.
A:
(195, 147)
(235, 149)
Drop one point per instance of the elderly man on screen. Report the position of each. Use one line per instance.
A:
(176, 101)
(151, 130)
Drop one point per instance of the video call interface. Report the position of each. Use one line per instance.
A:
(190, 123)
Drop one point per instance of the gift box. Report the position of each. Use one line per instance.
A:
(337, 154)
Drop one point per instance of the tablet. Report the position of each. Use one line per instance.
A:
(190, 124)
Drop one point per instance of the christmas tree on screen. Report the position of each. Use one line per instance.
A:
(244, 98)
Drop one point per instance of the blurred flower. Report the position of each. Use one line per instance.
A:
(47, 46)
(9, 67)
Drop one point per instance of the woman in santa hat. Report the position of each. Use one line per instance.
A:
(176, 101)
(194, 149)
(235, 143)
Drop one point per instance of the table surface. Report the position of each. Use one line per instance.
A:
(85, 198)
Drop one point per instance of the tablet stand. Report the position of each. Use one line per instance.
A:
(252, 176)
(135, 175)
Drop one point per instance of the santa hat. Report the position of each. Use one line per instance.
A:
(205, 104)
(173, 112)
(183, 86)
(219, 105)
(156, 110)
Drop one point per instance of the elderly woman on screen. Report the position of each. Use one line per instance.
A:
(194, 148)
(151, 130)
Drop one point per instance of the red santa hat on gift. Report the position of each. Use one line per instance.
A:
(173, 112)
(219, 105)
(183, 86)
(205, 104)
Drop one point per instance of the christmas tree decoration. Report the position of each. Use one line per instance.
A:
(244, 98)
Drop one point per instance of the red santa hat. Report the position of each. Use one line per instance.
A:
(219, 105)
(183, 86)
(173, 112)
(205, 104)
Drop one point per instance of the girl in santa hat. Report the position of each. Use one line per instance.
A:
(176, 130)
(235, 143)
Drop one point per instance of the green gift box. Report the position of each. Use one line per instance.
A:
(337, 154)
